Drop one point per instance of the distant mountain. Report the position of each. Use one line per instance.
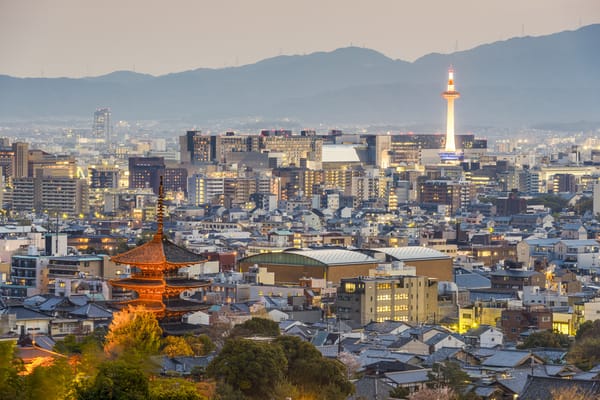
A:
(521, 81)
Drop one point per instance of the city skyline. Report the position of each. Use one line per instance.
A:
(66, 38)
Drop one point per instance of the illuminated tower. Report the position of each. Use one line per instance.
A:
(450, 94)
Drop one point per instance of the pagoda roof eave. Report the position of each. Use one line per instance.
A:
(158, 251)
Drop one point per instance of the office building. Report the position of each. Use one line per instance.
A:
(411, 299)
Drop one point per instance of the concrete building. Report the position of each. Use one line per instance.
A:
(330, 264)
(427, 262)
(411, 299)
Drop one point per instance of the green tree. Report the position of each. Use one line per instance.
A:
(201, 345)
(585, 352)
(546, 338)
(588, 329)
(10, 367)
(173, 389)
(117, 380)
(311, 373)
(552, 201)
(53, 382)
(134, 331)
(256, 327)
(175, 346)
(251, 367)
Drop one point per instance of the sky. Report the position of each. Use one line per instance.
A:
(75, 38)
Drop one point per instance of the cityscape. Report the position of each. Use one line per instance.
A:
(342, 243)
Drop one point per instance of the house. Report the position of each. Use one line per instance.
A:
(541, 387)
(371, 387)
(485, 336)
(92, 316)
(518, 321)
(574, 231)
(199, 317)
(442, 340)
(511, 359)
(412, 380)
(27, 321)
(410, 345)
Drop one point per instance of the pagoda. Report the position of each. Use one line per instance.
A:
(155, 278)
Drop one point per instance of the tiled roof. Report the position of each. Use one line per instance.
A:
(409, 377)
(538, 387)
(335, 256)
(91, 310)
(507, 358)
(412, 253)
(158, 251)
(24, 313)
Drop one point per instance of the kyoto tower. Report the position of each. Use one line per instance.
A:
(450, 94)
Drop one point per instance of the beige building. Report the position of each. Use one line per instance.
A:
(332, 265)
(402, 298)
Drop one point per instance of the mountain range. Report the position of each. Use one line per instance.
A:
(518, 82)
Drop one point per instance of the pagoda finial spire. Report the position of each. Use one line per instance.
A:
(160, 210)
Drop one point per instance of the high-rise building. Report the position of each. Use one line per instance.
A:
(51, 194)
(21, 159)
(145, 172)
(197, 148)
(103, 176)
(101, 125)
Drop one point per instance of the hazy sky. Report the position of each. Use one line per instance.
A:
(85, 38)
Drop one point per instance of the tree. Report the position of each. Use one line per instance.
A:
(173, 389)
(546, 338)
(256, 327)
(201, 345)
(311, 373)
(449, 374)
(250, 367)
(585, 352)
(175, 346)
(588, 329)
(351, 362)
(53, 382)
(117, 380)
(133, 331)
(10, 368)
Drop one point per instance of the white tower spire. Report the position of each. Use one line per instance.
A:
(450, 95)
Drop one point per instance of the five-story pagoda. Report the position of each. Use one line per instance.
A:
(155, 278)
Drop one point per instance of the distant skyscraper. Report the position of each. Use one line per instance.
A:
(21, 159)
(101, 127)
(145, 172)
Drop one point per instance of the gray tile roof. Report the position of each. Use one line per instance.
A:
(24, 313)
(538, 387)
(408, 377)
(91, 310)
(507, 358)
